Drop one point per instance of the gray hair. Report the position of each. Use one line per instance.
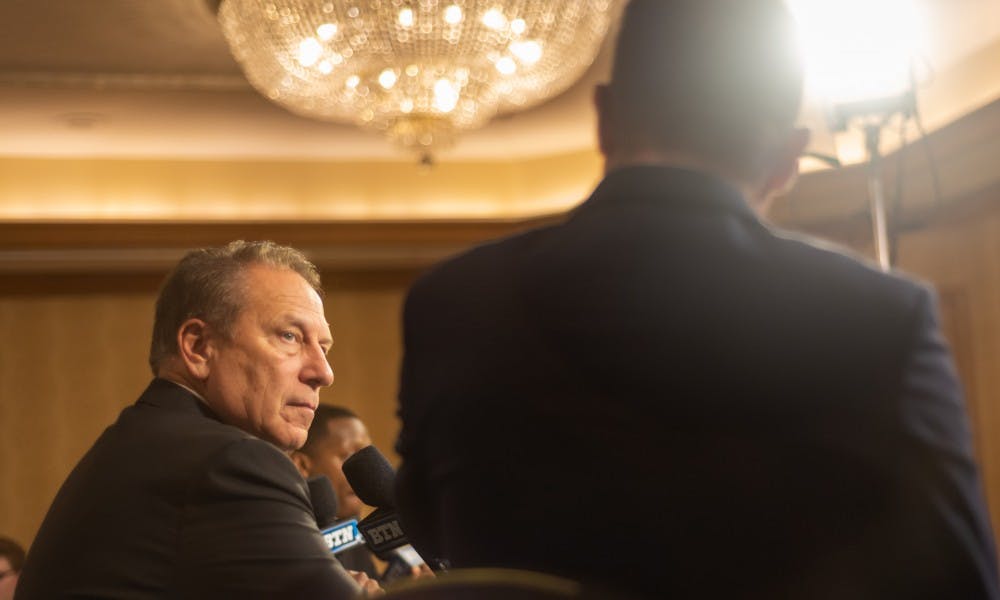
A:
(208, 284)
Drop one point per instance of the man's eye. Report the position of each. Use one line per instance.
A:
(288, 336)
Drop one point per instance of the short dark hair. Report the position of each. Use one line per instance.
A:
(208, 284)
(318, 430)
(708, 77)
(13, 552)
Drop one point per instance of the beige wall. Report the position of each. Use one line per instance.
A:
(70, 362)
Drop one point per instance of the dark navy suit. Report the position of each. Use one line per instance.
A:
(663, 394)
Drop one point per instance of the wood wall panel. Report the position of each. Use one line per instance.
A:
(962, 260)
(957, 323)
(68, 365)
(365, 358)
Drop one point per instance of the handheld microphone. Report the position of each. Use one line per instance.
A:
(373, 480)
(338, 535)
(324, 500)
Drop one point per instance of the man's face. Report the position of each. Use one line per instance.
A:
(8, 579)
(265, 379)
(345, 436)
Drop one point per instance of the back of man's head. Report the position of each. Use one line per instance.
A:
(207, 284)
(719, 80)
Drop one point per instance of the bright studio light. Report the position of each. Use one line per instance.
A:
(858, 49)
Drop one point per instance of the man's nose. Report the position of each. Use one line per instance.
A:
(317, 371)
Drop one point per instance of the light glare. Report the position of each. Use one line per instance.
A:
(857, 49)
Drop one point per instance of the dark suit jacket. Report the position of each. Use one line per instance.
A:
(662, 393)
(170, 502)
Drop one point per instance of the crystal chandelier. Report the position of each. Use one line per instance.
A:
(418, 70)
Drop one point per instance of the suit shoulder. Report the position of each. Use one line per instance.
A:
(480, 261)
(813, 259)
(189, 422)
(250, 461)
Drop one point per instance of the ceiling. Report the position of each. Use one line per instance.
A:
(154, 78)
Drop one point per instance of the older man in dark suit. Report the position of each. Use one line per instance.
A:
(191, 494)
(666, 394)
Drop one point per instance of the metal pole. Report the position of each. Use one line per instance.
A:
(876, 197)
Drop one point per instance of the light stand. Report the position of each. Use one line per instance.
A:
(876, 196)
(873, 116)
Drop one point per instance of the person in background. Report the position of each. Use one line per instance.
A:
(335, 434)
(191, 493)
(11, 561)
(664, 394)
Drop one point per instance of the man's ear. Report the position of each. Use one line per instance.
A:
(195, 348)
(785, 169)
(302, 462)
(606, 129)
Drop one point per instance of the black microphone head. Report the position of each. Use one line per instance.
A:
(324, 500)
(372, 477)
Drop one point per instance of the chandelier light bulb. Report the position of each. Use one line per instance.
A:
(387, 79)
(309, 52)
(326, 31)
(406, 17)
(453, 14)
(494, 19)
(527, 52)
(506, 66)
(419, 71)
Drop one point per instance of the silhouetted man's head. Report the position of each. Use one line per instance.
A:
(714, 83)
